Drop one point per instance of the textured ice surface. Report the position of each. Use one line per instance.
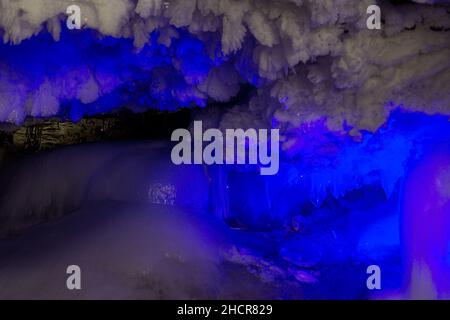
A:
(132, 250)
(311, 60)
(124, 250)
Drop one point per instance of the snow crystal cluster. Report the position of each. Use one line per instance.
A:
(315, 59)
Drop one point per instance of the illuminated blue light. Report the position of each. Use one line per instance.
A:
(153, 77)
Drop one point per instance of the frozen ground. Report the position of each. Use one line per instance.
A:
(124, 251)
(141, 228)
(145, 251)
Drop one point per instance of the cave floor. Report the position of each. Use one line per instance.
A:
(146, 251)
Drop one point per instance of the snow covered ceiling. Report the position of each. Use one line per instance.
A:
(309, 60)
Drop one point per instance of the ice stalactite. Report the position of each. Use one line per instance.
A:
(316, 58)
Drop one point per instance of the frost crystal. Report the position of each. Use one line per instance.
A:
(316, 58)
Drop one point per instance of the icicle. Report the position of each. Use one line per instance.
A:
(388, 180)
(337, 188)
(318, 191)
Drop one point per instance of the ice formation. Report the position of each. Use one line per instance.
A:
(316, 59)
(427, 244)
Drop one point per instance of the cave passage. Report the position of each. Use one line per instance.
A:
(222, 149)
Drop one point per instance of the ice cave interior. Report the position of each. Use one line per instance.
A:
(86, 178)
